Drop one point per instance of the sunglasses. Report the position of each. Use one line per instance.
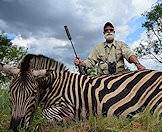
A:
(111, 30)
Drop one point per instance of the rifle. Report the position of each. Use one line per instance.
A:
(81, 68)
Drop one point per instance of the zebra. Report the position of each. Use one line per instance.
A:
(24, 93)
(69, 96)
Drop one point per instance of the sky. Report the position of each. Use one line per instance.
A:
(39, 24)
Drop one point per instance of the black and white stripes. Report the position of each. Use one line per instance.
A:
(67, 95)
(125, 94)
(24, 97)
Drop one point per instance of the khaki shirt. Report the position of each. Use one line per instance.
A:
(102, 54)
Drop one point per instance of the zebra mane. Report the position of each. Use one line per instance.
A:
(39, 62)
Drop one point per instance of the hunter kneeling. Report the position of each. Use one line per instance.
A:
(109, 55)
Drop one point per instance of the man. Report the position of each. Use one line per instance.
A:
(109, 55)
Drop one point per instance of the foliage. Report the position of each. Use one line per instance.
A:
(153, 25)
(9, 54)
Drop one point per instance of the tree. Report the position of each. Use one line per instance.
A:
(153, 25)
(9, 54)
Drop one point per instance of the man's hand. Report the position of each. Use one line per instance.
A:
(78, 61)
(81, 65)
(140, 67)
(133, 59)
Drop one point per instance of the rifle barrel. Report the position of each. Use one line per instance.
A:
(70, 38)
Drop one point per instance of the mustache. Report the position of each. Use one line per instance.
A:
(109, 34)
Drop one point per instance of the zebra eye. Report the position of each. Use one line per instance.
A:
(34, 92)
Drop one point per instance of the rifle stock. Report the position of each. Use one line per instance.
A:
(82, 69)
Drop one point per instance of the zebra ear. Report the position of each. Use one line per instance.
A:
(9, 69)
(39, 73)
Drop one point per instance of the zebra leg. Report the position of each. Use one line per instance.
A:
(58, 114)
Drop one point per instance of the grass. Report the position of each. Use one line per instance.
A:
(144, 122)
(4, 110)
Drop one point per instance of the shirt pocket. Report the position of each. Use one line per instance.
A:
(101, 58)
(119, 55)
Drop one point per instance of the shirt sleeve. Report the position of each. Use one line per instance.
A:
(91, 60)
(126, 51)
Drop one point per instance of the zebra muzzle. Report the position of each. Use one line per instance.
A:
(16, 123)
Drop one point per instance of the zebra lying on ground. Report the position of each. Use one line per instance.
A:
(67, 95)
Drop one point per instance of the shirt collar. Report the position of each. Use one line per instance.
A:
(109, 45)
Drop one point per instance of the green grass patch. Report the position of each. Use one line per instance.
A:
(4, 110)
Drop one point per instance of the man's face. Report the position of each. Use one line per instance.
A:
(109, 34)
(109, 30)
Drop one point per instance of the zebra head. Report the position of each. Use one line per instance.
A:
(24, 94)
(25, 88)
